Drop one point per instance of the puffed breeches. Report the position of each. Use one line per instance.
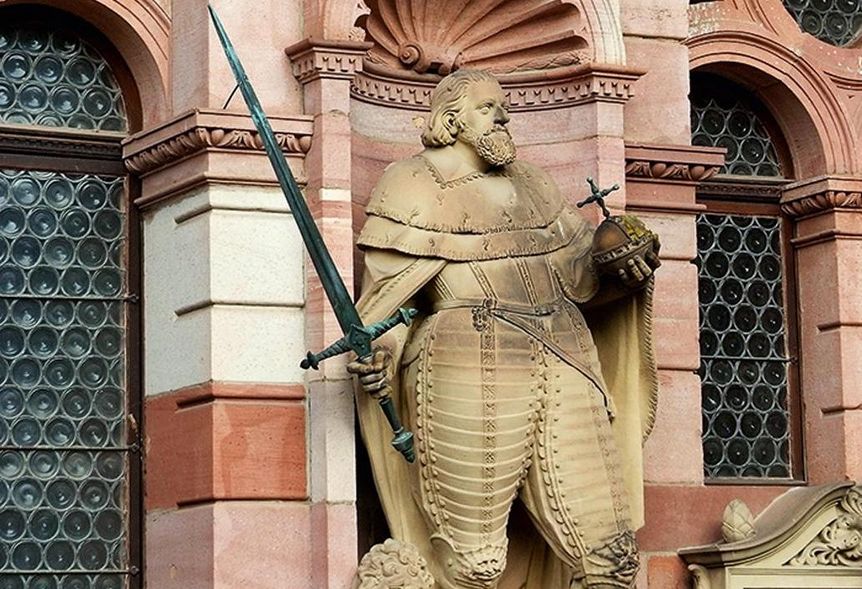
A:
(499, 416)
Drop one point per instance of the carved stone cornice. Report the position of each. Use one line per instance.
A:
(742, 189)
(672, 163)
(548, 89)
(313, 59)
(821, 194)
(203, 130)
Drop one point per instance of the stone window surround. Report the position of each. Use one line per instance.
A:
(73, 151)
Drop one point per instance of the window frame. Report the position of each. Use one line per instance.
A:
(728, 88)
(59, 149)
(760, 196)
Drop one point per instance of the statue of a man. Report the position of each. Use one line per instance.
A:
(510, 394)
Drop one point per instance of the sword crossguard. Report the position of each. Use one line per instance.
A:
(359, 339)
(598, 196)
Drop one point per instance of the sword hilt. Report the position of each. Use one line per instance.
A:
(359, 340)
(351, 341)
(313, 360)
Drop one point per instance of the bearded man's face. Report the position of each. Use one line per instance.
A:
(482, 123)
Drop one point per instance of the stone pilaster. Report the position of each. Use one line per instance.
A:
(325, 69)
(225, 409)
(661, 183)
(827, 213)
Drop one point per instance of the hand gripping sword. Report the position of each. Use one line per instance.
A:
(357, 337)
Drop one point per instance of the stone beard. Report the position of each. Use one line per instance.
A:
(499, 377)
(495, 146)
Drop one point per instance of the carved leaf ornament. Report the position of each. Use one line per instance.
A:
(502, 36)
(738, 522)
(840, 542)
(201, 138)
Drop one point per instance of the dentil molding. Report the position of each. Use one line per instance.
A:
(313, 59)
(564, 86)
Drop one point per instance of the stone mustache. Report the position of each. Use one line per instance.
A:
(528, 376)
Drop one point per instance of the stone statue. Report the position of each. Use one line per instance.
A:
(513, 394)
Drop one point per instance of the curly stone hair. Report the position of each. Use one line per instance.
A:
(447, 103)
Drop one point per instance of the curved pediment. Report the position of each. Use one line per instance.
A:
(808, 535)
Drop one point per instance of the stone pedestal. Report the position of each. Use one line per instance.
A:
(325, 69)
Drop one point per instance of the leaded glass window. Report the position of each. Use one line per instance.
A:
(745, 366)
(726, 115)
(837, 22)
(742, 345)
(53, 79)
(65, 452)
(63, 498)
(731, 123)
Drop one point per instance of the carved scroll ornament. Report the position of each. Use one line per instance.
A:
(840, 542)
(823, 201)
(670, 170)
(672, 163)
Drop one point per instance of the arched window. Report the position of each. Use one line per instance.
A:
(68, 455)
(837, 22)
(744, 265)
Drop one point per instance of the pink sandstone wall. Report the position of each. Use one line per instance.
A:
(249, 484)
(806, 85)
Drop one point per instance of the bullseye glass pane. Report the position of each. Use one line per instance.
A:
(743, 362)
(836, 22)
(63, 448)
(58, 83)
(739, 129)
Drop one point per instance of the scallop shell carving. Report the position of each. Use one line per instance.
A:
(502, 36)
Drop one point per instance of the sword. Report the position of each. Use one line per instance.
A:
(357, 337)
